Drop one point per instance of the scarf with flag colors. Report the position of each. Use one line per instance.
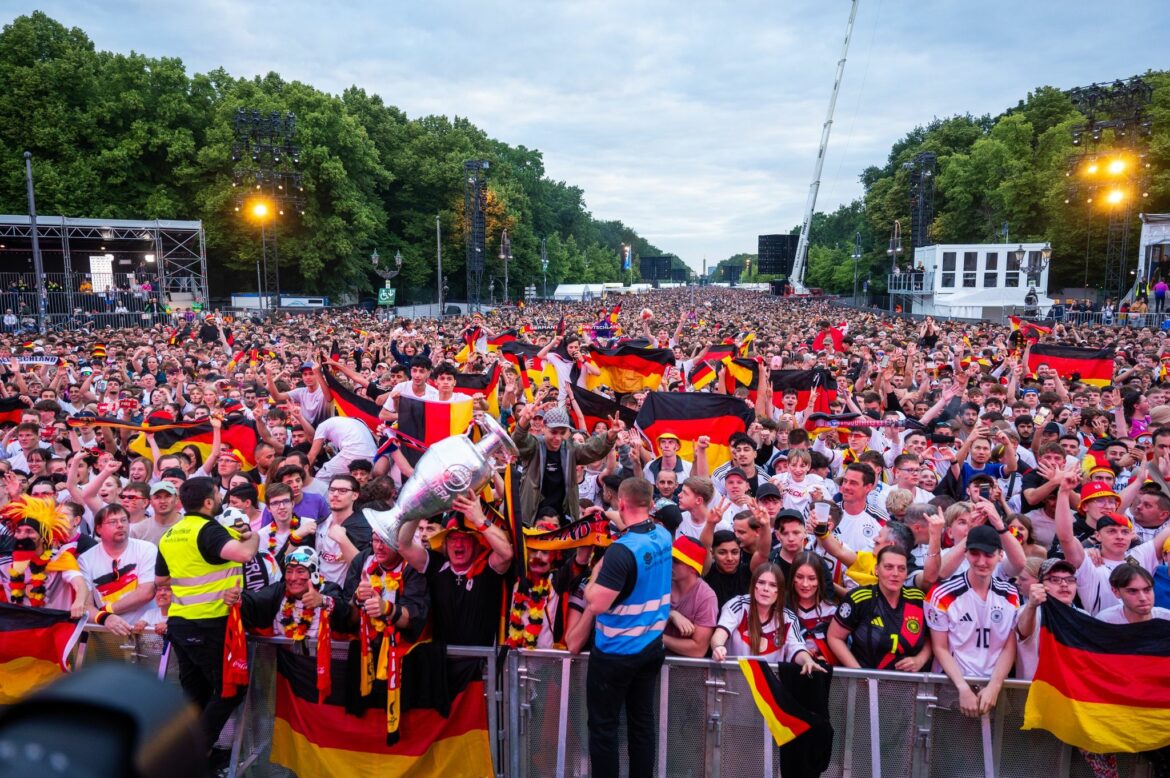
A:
(442, 719)
(487, 384)
(691, 415)
(11, 409)
(1094, 366)
(1101, 687)
(347, 402)
(426, 422)
(627, 369)
(597, 408)
(34, 648)
(583, 532)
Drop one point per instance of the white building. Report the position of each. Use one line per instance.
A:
(973, 281)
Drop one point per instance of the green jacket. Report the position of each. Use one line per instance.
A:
(533, 454)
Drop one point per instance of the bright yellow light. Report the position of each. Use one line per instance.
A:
(260, 210)
(1115, 196)
(1116, 167)
(1091, 169)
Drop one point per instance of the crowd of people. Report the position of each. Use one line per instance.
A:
(957, 491)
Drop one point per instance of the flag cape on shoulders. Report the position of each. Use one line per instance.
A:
(1093, 365)
(347, 402)
(34, 648)
(690, 415)
(1101, 687)
(627, 369)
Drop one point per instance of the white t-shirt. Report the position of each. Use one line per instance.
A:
(135, 567)
(1116, 615)
(798, 494)
(333, 567)
(351, 437)
(312, 403)
(1093, 581)
(979, 628)
(734, 620)
(858, 530)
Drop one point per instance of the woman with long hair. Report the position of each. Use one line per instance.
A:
(810, 597)
(756, 624)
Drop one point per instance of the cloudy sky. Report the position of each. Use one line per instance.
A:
(696, 123)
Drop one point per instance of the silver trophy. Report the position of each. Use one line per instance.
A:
(446, 469)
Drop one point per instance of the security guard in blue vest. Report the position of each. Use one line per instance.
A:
(630, 598)
(202, 562)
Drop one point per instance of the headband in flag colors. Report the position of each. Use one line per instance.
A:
(347, 402)
(584, 532)
(597, 408)
(487, 384)
(690, 415)
(1094, 366)
(627, 369)
(804, 381)
(1101, 687)
(429, 421)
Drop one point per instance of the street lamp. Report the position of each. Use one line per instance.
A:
(492, 290)
(544, 264)
(261, 211)
(506, 255)
(856, 261)
(893, 252)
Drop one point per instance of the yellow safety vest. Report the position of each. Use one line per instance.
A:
(198, 586)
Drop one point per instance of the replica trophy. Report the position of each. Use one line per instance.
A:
(448, 468)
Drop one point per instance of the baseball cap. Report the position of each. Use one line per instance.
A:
(768, 490)
(557, 419)
(1114, 520)
(984, 538)
(1053, 565)
(1052, 428)
(307, 366)
(690, 552)
(164, 486)
(1094, 489)
(737, 471)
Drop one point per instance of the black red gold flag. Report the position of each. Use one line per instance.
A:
(1092, 365)
(34, 648)
(701, 375)
(627, 369)
(11, 409)
(1101, 687)
(742, 373)
(496, 341)
(347, 402)
(690, 415)
(487, 384)
(238, 435)
(804, 381)
(442, 724)
(427, 421)
(597, 408)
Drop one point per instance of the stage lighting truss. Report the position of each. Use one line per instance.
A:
(1108, 178)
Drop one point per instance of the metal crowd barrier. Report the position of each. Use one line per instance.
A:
(886, 723)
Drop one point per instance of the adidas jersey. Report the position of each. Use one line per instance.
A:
(858, 531)
(978, 628)
(733, 619)
(880, 635)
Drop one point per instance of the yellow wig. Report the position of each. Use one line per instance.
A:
(51, 520)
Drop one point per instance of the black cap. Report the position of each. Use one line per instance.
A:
(768, 490)
(736, 471)
(984, 538)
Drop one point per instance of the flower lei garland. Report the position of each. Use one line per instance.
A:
(272, 530)
(528, 603)
(34, 588)
(388, 581)
(293, 627)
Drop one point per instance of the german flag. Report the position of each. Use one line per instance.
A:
(238, 434)
(745, 342)
(11, 409)
(630, 369)
(98, 352)
(1029, 331)
(34, 648)
(532, 368)
(615, 314)
(1101, 687)
(347, 402)
(803, 381)
(494, 343)
(701, 374)
(692, 414)
(427, 422)
(487, 384)
(443, 728)
(598, 408)
(786, 719)
(1092, 365)
(473, 340)
(745, 373)
(718, 352)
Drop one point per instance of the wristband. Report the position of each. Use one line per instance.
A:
(105, 613)
(1003, 531)
(487, 524)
